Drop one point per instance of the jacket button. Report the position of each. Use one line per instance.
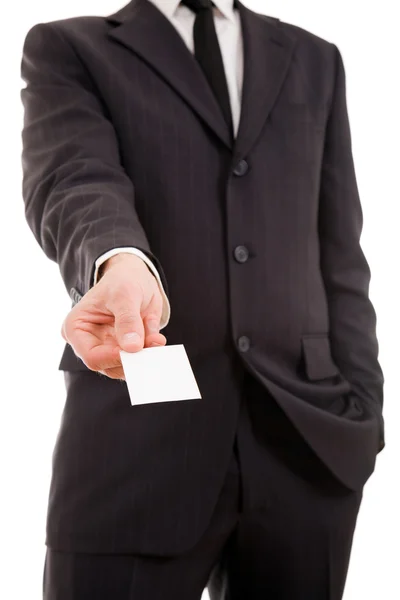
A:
(241, 254)
(241, 168)
(244, 343)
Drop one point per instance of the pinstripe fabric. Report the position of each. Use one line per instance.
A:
(124, 145)
(255, 554)
(229, 33)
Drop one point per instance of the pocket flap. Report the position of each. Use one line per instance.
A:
(317, 357)
(70, 362)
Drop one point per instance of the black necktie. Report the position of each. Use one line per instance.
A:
(208, 53)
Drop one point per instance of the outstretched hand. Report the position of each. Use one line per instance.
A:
(121, 312)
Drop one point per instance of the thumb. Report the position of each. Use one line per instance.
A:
(129, 329)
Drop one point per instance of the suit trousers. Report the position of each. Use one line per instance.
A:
(282, 529)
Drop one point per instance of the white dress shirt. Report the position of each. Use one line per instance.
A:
(227, 23)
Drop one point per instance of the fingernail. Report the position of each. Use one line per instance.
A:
(155, 344)
(131, 337)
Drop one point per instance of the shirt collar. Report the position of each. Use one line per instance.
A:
(169, 7)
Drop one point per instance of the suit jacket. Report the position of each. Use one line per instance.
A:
(257, 241)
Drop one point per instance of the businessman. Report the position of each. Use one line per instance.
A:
(188, 165)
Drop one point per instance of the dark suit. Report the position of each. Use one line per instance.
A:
(257, 243)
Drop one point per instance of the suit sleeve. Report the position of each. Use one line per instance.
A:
(79, 202)
(344, 267)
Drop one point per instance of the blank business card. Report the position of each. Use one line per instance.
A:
(159, 374)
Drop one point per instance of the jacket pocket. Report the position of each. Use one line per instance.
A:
(318, 361)
(70, 362)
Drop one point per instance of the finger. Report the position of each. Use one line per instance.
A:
(94, 351)
(63, 333)
(114, 373)
(151, 324)
(94, 343)
(101, 358)
(151, 320)
(129, 330)
(155, 339)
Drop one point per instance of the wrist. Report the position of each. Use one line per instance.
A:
(121, 257)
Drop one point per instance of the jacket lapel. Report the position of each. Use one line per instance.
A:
(142, 28)
(268, 52)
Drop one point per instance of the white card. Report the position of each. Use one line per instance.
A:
(159, 374)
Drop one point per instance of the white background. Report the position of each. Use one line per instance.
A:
(34, 301)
